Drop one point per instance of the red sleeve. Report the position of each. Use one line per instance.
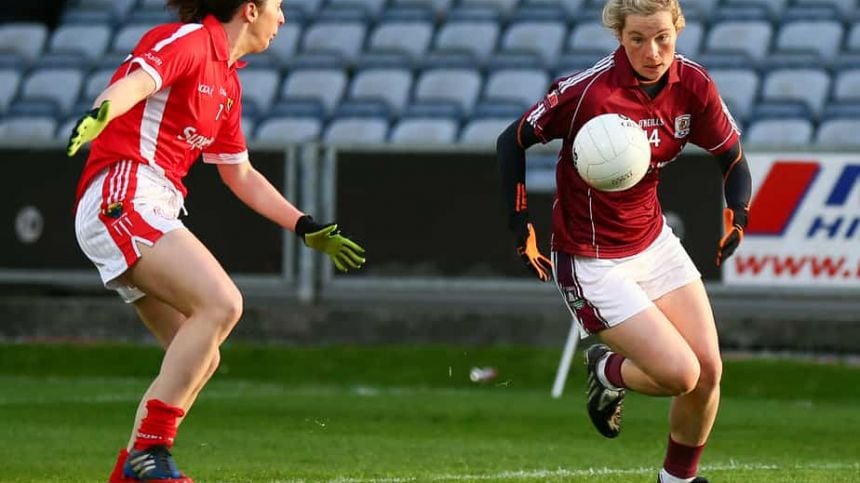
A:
(168, 52)
(229, 146)
(550, 117)
(714, 129)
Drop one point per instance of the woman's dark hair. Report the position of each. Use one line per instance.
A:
(195, 10)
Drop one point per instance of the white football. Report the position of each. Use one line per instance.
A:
(611, 152)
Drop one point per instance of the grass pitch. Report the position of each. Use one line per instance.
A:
(398, 414)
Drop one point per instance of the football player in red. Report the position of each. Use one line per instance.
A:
(177, 98)
(622, 272)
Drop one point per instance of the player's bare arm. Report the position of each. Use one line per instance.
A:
(126, 93)
(250, 186)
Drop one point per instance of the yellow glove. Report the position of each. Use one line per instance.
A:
(88, 128)
(344, 253)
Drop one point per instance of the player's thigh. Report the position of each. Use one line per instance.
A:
(180, 271)
(162, 319)
(689, 311)
(651, 341)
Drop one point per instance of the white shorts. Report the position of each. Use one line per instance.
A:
(126, 204)
(602, 293)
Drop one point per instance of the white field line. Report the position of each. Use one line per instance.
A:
(573, 473)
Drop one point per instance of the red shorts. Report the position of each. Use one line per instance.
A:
(126, 204)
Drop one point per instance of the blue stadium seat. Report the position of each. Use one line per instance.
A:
(591, 37)
(796, 13)
(540, 12)
(779, 133)
(483, 132)
(326, 85)
(286, 130)
(60, 85)
(439, 7)
(774, 8)
(458, 85)
(751, 38)
(411, 37)
(841, 110)
(344, 13)
(571, 7)
(89, 40)
(838, 133)
(363, 108)
(690, 40)
(823, 37)
(742, 13)
(810, 86)
(24, 39)
(845, 7)
(474, 13)
(846, 85)
(283, 48)
(544, 39)
(497, 110)
(95, 83)
(373, 8)
(28, 130)
(344, 38)
(259, 89)
(738, 88)
(127, 37)
(514, 59)
(782, 109)
(34, 107)
(10, 79)
(477, 38)
(524, 87)
(391, 85)
(299, 107)
(433, 109)
(424, 131)
(408, 13)
(119, 9)
(87, 16)
(356, 130)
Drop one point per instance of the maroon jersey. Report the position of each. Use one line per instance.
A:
(593, 223)
(196, 107)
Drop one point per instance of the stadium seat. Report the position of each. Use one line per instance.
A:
(845, 7)
(690, 39)
(574, 62)
(283, 47)
(774, 8)
(24, 39)
(344, 13)
(797, 13)
(853, 41)
(838, 133)
(259, 87)
(779, 133)
(356, 130)
(89, 40)
(391, 85)
(805, 85)
(483, 132)
(592, 37)
(60, 85)
(841, 110)
(514, 59)
(738, 87)
(27, 130)
(288, 130)
(10, 79)
(459, 85)
(781, 109)
(363, 108)
(119, 8)
(344, 38)
(424, 131)
(475, 13)
(439, 7)
(412, 37)
(698, 9)
(542, 39)
(540, 12)
(520, 86)
(127, 37)
(823, 37)
(373, 8)
(570, 7)
(505, 7)
(846, 86)
(746, 37)
(326, 85)
(477, 38)
(433, 109)
(497, 110)
(87, 16)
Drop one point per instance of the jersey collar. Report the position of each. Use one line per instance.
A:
(626, 76)
(219, 40)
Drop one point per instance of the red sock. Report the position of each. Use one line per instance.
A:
(158, 428)
(682, 461)
(613, 370)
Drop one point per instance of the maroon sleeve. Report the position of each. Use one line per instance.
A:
(550, 117)
(713, 129)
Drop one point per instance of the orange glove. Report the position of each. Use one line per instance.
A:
(527, 249)
(734, 221)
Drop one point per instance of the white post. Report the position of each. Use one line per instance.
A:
(566, 358)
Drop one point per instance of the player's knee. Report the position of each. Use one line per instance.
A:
(711, 373)
(225, 310)
(682, 378)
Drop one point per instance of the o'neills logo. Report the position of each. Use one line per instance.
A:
(196, 141)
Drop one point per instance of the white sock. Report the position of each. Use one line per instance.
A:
(601, 372)
(666, 477)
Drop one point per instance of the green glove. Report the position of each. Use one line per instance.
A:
(344, 252)
(88, 128)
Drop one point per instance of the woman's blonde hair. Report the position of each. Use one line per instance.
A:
(615, 12)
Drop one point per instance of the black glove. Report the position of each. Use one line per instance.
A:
(344, 253)
(734, 222)
(527, 247)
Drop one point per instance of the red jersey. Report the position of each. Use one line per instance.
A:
(593, 223)
(196, 107)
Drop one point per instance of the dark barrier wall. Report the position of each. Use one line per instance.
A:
(36, 212)
(442, 214)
